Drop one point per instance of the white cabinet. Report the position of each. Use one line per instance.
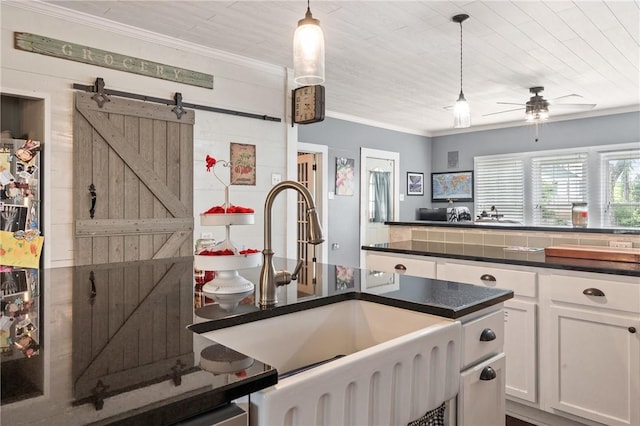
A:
(591, 347)
(481, 398)
(418, 266)
(520, 329)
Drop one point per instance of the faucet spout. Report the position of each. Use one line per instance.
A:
(269, 277)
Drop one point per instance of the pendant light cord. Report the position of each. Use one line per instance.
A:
(460, 56)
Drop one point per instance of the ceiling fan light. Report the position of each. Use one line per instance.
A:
(308, 51)
(461, 113)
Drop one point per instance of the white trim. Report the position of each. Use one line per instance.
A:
(140, 34)
(324, 202)
(373, 123)
(364, 190)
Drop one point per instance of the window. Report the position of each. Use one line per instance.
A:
(499, 182)
(557, 182)
(621, 188)
(539, 188)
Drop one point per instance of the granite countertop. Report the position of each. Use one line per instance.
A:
(114, 348)
(505, 255)
(120, 343)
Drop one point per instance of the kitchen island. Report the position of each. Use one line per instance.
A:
(563, 309)
(114, 352)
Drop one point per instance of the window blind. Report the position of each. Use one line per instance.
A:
(499, 182)
(558, 182)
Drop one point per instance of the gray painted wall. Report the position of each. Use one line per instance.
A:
(344, 139)
(603, 130)
(424, 154)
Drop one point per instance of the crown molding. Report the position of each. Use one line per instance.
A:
(59, 12)
(373, 123)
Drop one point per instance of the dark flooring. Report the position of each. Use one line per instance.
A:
(512, 421)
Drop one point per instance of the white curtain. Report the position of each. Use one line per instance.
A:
(381, 182)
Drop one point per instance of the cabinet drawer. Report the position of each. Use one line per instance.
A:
(482, 338)
(601, 293)
(523, 283)
(402, 264)
(481, 399)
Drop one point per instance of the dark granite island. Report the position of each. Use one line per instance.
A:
(117, 349)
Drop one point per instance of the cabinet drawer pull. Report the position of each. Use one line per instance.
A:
(488, 373)
(593, 292)
(632, 329)
(488, 277)
(400, 267)
(487, 335)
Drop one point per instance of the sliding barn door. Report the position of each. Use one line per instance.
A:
(133, 183)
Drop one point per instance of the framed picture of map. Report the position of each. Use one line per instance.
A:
(452, 186)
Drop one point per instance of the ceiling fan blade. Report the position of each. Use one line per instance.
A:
(502, 112)
(566, 97)
(574, 106)
(510, 103)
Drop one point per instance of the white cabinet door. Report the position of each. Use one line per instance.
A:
(520, 347)
(520, 326)
(481, 400)
(594, 364)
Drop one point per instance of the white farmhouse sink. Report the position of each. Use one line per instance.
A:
(397, 363)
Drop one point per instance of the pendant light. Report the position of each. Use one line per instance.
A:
(308, 51)
(461, 111)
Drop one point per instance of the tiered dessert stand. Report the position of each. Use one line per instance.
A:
(228, 287)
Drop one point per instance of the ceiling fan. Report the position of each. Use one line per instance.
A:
(537, 107)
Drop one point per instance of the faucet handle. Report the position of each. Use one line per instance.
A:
(284, 277)
(296, 271)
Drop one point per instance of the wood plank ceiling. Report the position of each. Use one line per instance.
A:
(399, 62)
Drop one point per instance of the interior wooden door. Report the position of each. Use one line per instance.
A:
(306, 176)
(133, 181)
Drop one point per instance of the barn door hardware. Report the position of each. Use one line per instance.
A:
(179, 105)
(100, 97)
(176, 372)
(99, 393)
(92, 290)
(94, 198)
(178, 110)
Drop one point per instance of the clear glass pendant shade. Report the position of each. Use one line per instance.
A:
(308, 52)
(461, 113)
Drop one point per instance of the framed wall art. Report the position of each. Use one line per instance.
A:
(415, 183)
(345, 170)
(452, 186)
(243, 164)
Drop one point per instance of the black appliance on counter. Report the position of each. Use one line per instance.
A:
(438, 214)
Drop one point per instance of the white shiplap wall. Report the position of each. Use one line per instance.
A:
(239, 84)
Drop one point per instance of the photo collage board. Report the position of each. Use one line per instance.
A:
(20, 246)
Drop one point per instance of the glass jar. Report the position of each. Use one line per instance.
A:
(579, 215)
(204, 244)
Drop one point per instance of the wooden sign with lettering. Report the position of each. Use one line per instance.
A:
(102, 58)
